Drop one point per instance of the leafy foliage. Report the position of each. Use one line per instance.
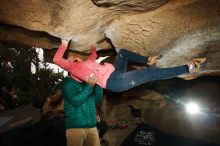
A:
(18, 84)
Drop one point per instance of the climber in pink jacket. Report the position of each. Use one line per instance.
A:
(116, 78)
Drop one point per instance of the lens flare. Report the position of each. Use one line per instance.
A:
(192, 108)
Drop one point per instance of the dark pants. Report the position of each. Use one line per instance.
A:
(121, 80)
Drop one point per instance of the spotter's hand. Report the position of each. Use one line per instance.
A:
(91, 79)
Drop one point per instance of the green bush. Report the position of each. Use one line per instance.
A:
(18, 84)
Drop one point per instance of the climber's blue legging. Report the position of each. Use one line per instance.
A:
(121, 80)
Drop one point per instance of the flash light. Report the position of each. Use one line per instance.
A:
(192, 108)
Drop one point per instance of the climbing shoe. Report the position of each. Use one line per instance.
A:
(196, 64)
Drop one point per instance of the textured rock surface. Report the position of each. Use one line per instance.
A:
(180, 30)
(82, 20)
(18, 35)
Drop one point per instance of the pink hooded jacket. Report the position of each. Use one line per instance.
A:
(80, 70)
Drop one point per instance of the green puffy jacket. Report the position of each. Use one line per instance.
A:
(80, 100)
